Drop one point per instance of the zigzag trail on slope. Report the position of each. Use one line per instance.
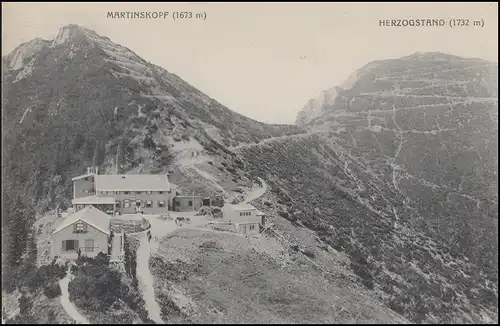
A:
(187, 156)
(277, 139)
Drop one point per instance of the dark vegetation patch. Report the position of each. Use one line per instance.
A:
(102, 291)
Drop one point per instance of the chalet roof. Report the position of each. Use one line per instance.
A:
(132, 182)
(90, 215)
(91, 200)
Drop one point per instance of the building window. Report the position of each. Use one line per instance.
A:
(86, 179)
(138, 203)
(118, 192)
(149, 203)
(117, 203)
(104, 192)
(126, 203)
(252, 227)
(138, 192)
(89, 245)
(149, 192)
(161, 203)
(126, 192)
(190, 203)
(69, 245)
(80, 227)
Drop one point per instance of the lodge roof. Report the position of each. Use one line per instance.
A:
(132, 182)
(90, 215)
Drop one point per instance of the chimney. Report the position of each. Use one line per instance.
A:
(92, 170)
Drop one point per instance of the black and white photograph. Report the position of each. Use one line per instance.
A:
(249, 163)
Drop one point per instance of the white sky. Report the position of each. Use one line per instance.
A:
(248, 55)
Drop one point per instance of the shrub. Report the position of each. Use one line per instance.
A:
(51, 316)
(338, 244)
(210, 244)
(185, 137)
(309, 253)
(148, 142)
(369, 284)
(52, 290)
(44, 275)
(166, 158)
(148, 108)
(283, 214)
(231, 169)
(96, 287)
(138, 122)
(25, 304)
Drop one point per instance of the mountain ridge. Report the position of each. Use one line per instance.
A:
(326, 97)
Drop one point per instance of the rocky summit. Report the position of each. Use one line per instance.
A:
(396, 169)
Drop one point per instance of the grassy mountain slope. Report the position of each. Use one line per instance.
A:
(400, 172)
(78, 97)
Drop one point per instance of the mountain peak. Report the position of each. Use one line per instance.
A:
(71, 31)
(385, 78)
